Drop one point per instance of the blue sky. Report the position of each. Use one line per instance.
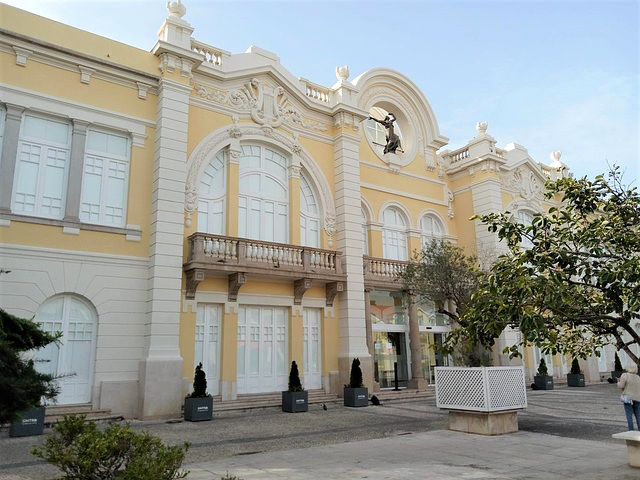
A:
(547, 75)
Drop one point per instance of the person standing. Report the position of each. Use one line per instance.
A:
(629, 382)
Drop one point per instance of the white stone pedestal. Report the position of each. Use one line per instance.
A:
(483, 423)
(633, 446)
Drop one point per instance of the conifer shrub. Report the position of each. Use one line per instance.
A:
(294, 379)
(617, 364)
(575, 367)
(199, 383)
(83, 452)
(355, 378)
(542, 368)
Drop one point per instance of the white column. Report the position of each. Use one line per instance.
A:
(353, 334)
(9, 155)
(160, 392)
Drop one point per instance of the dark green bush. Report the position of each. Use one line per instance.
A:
(83, 452)
(617, 364)
(199, 383)
(294, 379)
(575, 367)
(355, 379)
(542, 369)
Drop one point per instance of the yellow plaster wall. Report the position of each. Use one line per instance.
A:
(71, 38)
(330, 338)
(402, 183)
(186, 342)
(229, 346)
(322, 154)
(465, 228)
(296, 336)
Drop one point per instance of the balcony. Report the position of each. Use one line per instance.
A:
(218, 255)
(383, 273)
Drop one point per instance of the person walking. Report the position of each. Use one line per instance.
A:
(629, 382)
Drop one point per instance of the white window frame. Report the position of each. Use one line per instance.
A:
(397, 233)
(3, 116)
(211, 200)
(106, 158)
(428, 235)
(525, 243)
(44, 144)
(365, 232)
(306, 216)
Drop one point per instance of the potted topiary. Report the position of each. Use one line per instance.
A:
(296, 399)
(617, 368)
(543, 380)
(356, 394)
(31, 422)
(199, 405)
(575, 377)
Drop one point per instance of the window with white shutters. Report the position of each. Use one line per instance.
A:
(211, 197)
(105, 179)
(394, 235)
(309, 215)
(42, 167)
(431, 228)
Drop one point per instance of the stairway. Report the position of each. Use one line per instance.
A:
(54, 413)
(391, 396)
(265, 400)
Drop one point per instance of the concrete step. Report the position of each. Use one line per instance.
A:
(55, 413)
(268, 400)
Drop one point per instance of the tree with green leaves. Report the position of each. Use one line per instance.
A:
(576, 286)
(21, 386)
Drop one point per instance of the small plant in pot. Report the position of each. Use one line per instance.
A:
(356, 394)
(575, 377)
(296, 399)
(199, 405)
(617, 368)
(543, 381)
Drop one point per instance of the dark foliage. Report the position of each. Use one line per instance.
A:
(294, 379)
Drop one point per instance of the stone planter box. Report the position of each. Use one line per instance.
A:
(198, 409)
(356, 397)
(294, 402)
(575, 379)
(483, 423)
(31, 423)
(543, 382)
(616, 374)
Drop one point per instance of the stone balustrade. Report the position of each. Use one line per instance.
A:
(459, 155)
(211, 54)
(382, 272)
(315, 91)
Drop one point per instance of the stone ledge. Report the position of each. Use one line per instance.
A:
(483, 423)
(632, 438)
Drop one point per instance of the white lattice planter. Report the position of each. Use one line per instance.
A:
(481, 389)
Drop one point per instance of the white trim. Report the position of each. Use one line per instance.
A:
(399, 206)
(405, 194)
(434, 213)
(39, 102)
(402, 174)
(57, 254)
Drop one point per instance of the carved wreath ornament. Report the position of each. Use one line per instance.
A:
(218, 141)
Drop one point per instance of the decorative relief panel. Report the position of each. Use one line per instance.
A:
(525, 182)
(267, 105)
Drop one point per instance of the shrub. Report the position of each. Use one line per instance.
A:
(83, 452)
(542, 369)
(355, 379)
(575, 367)
(294, 379)
(617, 364)
(199, 383)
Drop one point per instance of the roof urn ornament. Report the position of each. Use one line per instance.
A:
(555, 159)
(176, 8)
(342, 73)
(481, 127)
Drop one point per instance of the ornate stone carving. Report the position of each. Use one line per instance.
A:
(299, 287)
(404, 104)
(266, 105)
(236, 280)
(450, 203)
(342, 73)
(332, 289)
(205, 151)
(525, 182)
(234, 131)
(176, 8)
(194, 277)
(481, 127)
(441, 169)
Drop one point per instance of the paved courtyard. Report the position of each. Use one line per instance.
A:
(564, 433)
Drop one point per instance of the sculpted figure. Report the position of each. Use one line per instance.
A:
(393, 140)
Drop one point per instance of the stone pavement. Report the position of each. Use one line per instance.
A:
(437, 455)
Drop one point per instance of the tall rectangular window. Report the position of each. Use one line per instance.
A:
(42, 167)
(105, 179)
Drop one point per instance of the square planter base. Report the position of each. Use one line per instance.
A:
(294, 402)
(616, 374)
(543, 382)
(483, 423)
(356, 397)
(31, 423)
(198, 409)
(575, 380)
(633, 446)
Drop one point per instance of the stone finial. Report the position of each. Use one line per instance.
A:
(555, 159)
(176, 8)
(342, 73)
(481, 127)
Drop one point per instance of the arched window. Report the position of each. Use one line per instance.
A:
(309, 215)
(394, 235)
(365, 233)
(376, 133)
(431, 228)
(263, 204)
(211, 199)
(526, 219)
(75, 352)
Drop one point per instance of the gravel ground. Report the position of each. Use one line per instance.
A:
(590, 413)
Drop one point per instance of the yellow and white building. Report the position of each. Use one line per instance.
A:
(186, 204)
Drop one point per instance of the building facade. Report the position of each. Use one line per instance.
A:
(181, 205)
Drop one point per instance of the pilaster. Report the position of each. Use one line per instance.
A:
(417, 381)
(229, 353)
(76, 167)
(296, 338)
(294, 205)
(9, 155)
(233, 190)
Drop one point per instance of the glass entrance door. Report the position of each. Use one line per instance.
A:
(431, 358)
(389, 348)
